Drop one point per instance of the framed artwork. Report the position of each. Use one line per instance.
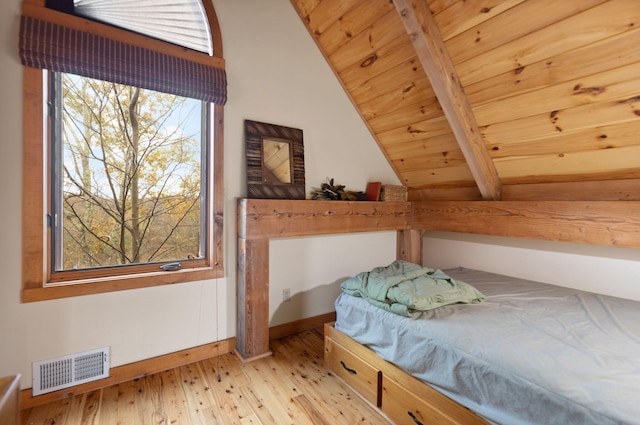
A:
(275, 161)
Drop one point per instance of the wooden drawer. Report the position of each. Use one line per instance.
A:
(403, 398)
(404, 408)
(422, 406)
(360, 375)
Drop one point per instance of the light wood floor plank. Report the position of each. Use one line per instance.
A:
(171, 389)
(308, 365)
(126, 403)
(151, 403)
(291, 387)
(261, 411)
(316, 416)
(34, 416)
(250, 420)
(109, 406)
(86, 407)
(274, 393)
(226, 377)
(57, 412)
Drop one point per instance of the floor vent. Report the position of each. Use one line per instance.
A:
(67, 371)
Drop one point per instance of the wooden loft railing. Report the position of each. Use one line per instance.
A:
(261, 219)
(266, 218)
(608, 223)
(612, 223)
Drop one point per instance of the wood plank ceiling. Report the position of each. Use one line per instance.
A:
(493, 99)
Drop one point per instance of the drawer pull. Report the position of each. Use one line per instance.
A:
(351, 371)
(414, 418)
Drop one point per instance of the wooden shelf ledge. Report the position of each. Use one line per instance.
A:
(260, 220)
(271, 218)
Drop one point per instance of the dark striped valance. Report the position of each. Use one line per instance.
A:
(46, 45)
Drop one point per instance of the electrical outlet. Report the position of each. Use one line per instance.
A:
(286, 294)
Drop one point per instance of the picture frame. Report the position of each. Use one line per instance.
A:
(275, 161)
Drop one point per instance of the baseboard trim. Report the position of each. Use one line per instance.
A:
(131, 371)
(302, 325)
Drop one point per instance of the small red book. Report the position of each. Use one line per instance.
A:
(373, 191)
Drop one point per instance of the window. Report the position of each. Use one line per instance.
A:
(126, 175)
(122, 164)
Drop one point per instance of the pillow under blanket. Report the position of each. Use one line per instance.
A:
(408, 289)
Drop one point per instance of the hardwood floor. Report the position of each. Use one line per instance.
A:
(291, 387)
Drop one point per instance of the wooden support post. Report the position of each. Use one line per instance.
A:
(252, 339)
(409, 245)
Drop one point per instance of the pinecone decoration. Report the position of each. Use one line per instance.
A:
(336, 192)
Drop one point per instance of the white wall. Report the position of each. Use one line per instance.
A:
(275, 75)
(606, 270)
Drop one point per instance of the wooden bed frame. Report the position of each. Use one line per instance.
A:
(399, 396)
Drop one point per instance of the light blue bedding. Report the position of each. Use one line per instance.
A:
(531, 353)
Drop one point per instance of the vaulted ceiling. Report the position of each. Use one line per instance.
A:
(493, 99)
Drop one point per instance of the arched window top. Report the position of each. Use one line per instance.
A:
(62, 43)
(181, 22)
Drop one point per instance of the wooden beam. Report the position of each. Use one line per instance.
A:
(430, 48)
(609, 223)
(276, 218)
(601, 190)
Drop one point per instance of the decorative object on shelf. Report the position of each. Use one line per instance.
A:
(336, 192)
(393, 193)
(373, 191)
(275, 161)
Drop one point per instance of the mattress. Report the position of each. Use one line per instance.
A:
(531, 353)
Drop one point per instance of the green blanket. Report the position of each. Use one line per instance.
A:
(408, 289)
